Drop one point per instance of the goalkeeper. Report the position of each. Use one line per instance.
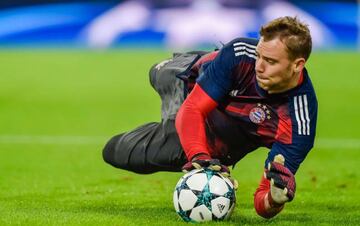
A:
(218, 106)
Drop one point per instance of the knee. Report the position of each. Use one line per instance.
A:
(117, 153)
(152, 76)
(109, 150)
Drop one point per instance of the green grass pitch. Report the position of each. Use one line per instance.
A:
(58, 108)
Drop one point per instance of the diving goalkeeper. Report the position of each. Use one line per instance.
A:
(219, 106)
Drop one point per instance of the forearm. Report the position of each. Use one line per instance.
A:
(190, 122)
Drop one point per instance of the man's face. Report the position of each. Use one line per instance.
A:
(274, 70)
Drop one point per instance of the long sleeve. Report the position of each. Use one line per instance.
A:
(190, 122)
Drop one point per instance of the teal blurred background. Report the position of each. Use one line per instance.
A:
(181, 24)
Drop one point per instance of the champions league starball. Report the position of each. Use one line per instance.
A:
(204, 195)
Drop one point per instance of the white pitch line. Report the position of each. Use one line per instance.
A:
(46, 139)
(327, 143)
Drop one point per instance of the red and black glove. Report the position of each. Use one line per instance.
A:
(282, 181)
(205, 161)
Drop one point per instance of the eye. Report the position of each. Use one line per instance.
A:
(271, 62)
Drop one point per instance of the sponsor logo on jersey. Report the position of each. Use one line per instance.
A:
(234, 92)
(259, 113)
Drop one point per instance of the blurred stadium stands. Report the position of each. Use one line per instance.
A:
(172, 24)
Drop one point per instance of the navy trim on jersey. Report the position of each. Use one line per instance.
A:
(216, 79)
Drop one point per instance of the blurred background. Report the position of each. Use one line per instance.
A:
(73, 74)
(171, 24)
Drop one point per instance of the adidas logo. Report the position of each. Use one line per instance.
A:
(221, 207)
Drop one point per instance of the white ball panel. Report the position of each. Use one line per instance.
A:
(201, 213)
(217, 185)
(228, 181)
(197, 181)
(220, 206)
(187, 199)
(176, 201)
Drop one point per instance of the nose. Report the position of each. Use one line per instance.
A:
(259, 67)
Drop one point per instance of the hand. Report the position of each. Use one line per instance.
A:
(205, 161)
(282, 181)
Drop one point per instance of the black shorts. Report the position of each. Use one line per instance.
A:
(155, 146)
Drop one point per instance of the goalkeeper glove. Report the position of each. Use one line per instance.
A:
(282, 181)
(205, 161)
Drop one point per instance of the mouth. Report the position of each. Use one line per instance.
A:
(262, 81)
(261, 78)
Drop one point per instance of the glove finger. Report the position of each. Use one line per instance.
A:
(197, 165)
(225, 169)
(214, 162)
(235, 183)
(268, 174)
(187, 167)
(225, 174)
(290, 194)
(278, 168)
(285, 191)
(215, 167)
(279, 184)
(276, 180)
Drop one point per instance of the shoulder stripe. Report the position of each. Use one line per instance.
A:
(245, 53)
(244, 44)
(302, 114)
(307, 115)
(242, 48)
(245, 48)
(301, 108)
(297, 115)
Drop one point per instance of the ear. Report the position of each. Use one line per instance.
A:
(299, 64)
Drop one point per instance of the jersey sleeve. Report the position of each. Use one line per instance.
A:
(213, 84)
(217, 76)
(303, 112)
(190, 122)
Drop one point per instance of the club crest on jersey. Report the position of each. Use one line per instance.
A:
(259, 113)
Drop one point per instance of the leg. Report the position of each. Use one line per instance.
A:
(170, 88)
(155, 146)
(147, 149)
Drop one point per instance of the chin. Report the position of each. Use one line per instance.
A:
(263, 87)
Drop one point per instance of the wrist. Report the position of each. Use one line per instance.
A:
(200, 156)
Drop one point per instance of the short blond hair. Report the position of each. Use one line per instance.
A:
(293, 33)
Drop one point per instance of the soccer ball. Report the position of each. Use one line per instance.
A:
(204, 195)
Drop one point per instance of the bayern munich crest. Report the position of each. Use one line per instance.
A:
(259, 113)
